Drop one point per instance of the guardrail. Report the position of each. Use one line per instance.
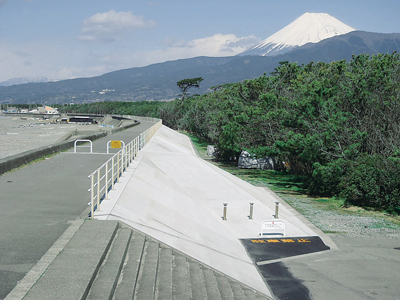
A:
(83, 146)
(104, 178)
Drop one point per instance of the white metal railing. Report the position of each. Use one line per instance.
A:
(104, 178)
(83, 146)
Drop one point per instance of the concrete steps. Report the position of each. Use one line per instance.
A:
(107, 260)
(107, 278)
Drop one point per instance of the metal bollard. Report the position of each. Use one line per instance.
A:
(225, 209)
(276, 210)
(251, 211)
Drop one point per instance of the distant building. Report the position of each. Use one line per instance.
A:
(45, 110)
(11, 109)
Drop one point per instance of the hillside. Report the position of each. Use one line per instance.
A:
(158, 81)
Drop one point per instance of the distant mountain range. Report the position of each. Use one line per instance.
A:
(23, 80)
(158, 81)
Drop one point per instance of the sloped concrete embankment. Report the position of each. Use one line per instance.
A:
(177, 198)
(106, 260)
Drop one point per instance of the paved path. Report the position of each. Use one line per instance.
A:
(39, 201)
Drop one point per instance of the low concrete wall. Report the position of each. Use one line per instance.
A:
(123, 127)
(80, 133)
(15, 161)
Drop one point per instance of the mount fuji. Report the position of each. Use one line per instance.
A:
(308, 28)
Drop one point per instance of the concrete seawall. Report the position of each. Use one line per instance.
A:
(15, 161)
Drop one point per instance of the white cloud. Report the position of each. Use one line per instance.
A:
(110, 25)
(57, 61)
(13, 62)
(220, 45)
(214, 46)
(173, 42)
(42, 59)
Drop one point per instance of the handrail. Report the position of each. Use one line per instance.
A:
(81, 146)
(104, 178)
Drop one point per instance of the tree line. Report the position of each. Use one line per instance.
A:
(141, 108)
(335, 124)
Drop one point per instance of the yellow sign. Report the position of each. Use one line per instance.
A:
(115, 144)
(280, 241)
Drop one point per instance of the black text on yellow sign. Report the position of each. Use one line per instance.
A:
(280, 241)
(115, 144)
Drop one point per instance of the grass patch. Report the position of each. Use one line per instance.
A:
(289, 188)
(329, 203)
(200, 145)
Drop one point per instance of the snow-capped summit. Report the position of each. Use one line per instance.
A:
(308, 28)
(23, 80)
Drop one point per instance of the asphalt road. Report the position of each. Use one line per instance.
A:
(361, 269)
(38, 201)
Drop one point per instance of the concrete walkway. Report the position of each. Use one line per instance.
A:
(40, 201)
(174, 196)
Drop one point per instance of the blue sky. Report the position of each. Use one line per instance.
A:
(62, 39)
